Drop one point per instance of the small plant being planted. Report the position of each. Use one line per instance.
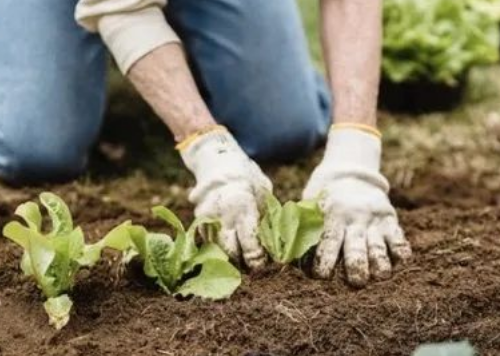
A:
(52, 258)
(287, 232)
(178, 266)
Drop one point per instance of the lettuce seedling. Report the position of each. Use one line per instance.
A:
(53, 259)
(288, 232)
(172, 263)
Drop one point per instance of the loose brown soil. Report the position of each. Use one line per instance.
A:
(450, 291)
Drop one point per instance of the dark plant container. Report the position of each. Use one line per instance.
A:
(420, 97)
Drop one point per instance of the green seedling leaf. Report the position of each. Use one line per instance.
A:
(41, 254)
(26, 265)
(31, 214)
(170, 261)
(52, 259)
(17, 233)
(208, 251)
(269, 232)
(164, 262)
(183, 250)
(91, 254)
(446, 349)
(288, 232)
(169, 217)
(309, 230)
(119, 237)
(62, 222)
(124, 238)
(73, 244)
(139, 237)
(179, 253)
(58, 309)
(288, 229)
(218, 280)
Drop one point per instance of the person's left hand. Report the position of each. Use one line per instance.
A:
(358, 214)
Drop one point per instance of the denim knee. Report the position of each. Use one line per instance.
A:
(300, 128)
(290, 127)
(41, 162)
(52, 91)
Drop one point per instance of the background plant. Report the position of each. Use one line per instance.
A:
(438, 40)
(488, 7)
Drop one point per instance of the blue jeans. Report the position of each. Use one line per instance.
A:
(249, 58)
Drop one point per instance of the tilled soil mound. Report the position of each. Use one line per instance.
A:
(451, 290)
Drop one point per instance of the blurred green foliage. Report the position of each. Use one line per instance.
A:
(437, 40)
(310, 12)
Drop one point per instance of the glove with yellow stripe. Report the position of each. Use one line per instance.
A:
(359, 218)
(229, 187)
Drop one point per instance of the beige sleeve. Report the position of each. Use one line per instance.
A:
(130, 28)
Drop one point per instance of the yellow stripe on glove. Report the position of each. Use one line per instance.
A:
(362, 127)
(194, 136)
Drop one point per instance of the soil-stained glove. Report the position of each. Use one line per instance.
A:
(230, 187)
(358, 214)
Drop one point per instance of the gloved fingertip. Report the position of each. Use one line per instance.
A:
(357, 274)
(327, 252)
(322, 270)
(257, 265)
(382, 274)
(255, 260)
(319, 273)
(381, 268)
(357, 281)
(231, 248)
(402, 253)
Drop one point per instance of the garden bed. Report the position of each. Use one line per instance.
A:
(451, 290)
(444, 170)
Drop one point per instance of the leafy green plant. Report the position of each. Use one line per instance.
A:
(287, 232)
(446, 349)
(487, 7)
(53, 259)
(437, 40)
(172, 263)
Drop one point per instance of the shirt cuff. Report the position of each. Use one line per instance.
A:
(131, 35)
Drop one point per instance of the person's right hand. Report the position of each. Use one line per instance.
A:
(229, 187)
(360, 222)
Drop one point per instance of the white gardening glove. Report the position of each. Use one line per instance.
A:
(230, 187)
(358, 214)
